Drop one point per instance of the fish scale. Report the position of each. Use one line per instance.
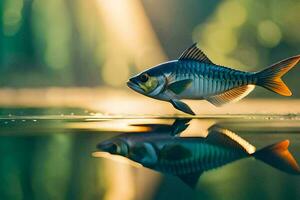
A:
(208, 79)
(204, 157)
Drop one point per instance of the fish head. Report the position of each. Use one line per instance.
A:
(114, 147)
(138, 151)
(150, 83)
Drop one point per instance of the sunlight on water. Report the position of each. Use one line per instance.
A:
(123, 126)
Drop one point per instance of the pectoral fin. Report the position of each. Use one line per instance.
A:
(179, 86)
(181, 106)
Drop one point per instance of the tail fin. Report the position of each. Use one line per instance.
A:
(270, 78)
(278, 156)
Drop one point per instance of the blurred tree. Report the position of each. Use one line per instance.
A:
(18, 50)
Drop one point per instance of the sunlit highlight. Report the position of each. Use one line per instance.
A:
(118, 178)
(130, 40)
(116, 158)
(243, 143)
(117, 126)
(198, 128)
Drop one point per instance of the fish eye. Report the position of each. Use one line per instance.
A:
(121, 148)
(144, 78)
(113, 148)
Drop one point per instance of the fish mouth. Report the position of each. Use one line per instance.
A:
(133, 85)
(107, 147)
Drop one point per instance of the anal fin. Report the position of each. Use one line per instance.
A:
(232, 95)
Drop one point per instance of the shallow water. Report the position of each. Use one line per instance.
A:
(48, 154)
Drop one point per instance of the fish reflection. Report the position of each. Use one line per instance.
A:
(165, 151)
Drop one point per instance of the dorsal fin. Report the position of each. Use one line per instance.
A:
(194, 53)
(232, 95)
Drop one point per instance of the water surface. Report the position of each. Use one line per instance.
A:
(48, 154)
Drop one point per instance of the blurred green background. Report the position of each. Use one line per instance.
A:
(94, 44)
(101, 43)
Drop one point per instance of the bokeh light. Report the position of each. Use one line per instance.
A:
(269, 33)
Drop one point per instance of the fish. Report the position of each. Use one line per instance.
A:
(165, 151)
(194, 76)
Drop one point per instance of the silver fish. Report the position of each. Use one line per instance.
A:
(195, 76)
(165, 151)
